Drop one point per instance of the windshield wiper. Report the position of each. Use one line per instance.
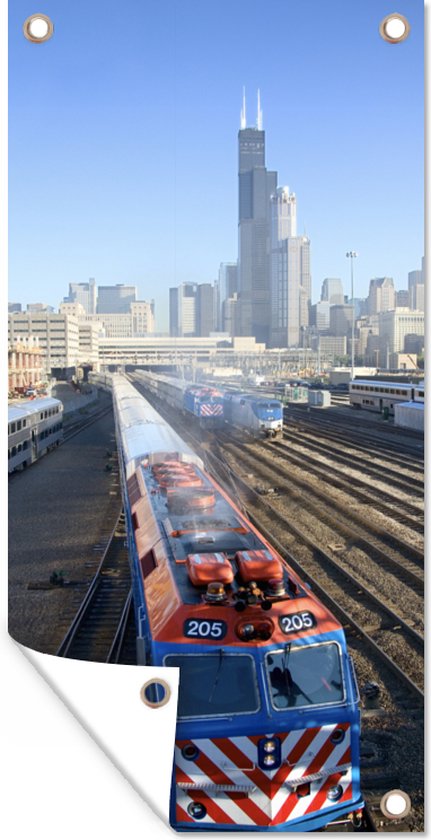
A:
(217, 676)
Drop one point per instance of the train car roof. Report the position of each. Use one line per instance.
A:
(381, 383)
(254, 397)
(29, 407)
(144, 431)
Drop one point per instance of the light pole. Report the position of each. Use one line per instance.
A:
(351, 255)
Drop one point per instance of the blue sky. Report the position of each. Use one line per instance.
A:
(123, 139)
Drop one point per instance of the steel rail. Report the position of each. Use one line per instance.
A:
(71, 633)
(403, 482)
(416, 556)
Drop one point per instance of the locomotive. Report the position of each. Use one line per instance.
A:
(261, 416)
(199, 402)
(268, 721)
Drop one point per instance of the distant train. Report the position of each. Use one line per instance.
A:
(377, 396)
(201, 402)
(34, 427)
(268, 720)
(101, 380)
(261, 416)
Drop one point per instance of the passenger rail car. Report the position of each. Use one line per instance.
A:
(262, 416)
(34, 427)
(268, 722)
(101, 380)
(201, 402)
(377, 396)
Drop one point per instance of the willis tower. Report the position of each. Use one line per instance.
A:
(256, 185)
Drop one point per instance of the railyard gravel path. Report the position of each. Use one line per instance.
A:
(61, 510)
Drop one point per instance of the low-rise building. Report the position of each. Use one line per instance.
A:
(26, 365)
(57, 334)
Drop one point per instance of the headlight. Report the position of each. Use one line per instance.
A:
(197, 810)
(269, 753)
(270, 746)
(334, 793)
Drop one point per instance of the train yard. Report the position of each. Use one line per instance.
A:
(340, 497)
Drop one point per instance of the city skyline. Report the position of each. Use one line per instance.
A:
(140, 181)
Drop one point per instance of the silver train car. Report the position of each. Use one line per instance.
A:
(101, 380)
(378, 396)
(34, 427)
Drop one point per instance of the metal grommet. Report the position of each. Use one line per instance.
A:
(38, 28)
(155, 693)
(395, 804)
(394, 28)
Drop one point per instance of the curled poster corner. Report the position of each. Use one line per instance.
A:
(106, 700)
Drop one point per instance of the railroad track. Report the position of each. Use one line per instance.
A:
(389, 505)
(404, 482)
(79, 426)
(346, 427)
(410, 562)
(99, 631)
(382, 619)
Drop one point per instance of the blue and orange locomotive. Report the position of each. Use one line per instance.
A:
(268, 719)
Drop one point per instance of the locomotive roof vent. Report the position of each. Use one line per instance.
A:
(258, 565)
(182, 500)
(204, 569)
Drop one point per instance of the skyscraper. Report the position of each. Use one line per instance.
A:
(205, 309)
(85, 294)
(115, 299)
(382, 296)
(290, 273)
(256, 185)
(226, 287)
(182, 310)
(332, 291)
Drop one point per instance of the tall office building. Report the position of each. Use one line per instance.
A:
(290, 273)
(85, 294)
(205, 309)
(381, 296)
(227, 286)
(115, 299)
(417, 289)
(332, 290)
(256, 185)
(182, 310)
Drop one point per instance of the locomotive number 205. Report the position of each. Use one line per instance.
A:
(196, 628)
(297, 621)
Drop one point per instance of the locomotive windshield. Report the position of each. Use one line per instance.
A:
(215, 684)
(265, 409)
(309, 675)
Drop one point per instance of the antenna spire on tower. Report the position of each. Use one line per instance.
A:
(259, 121)
(243, 113)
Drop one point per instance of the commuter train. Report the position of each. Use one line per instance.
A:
(201, 402)
(377, 396)
(34, 427)
(257, 415)
(268, 724)
(101, 380)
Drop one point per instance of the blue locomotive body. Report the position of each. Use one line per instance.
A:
(268, 719)
(261, 416)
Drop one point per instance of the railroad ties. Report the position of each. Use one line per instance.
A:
(102, 629)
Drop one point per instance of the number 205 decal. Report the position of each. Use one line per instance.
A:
(195, 628)
(296, 622)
